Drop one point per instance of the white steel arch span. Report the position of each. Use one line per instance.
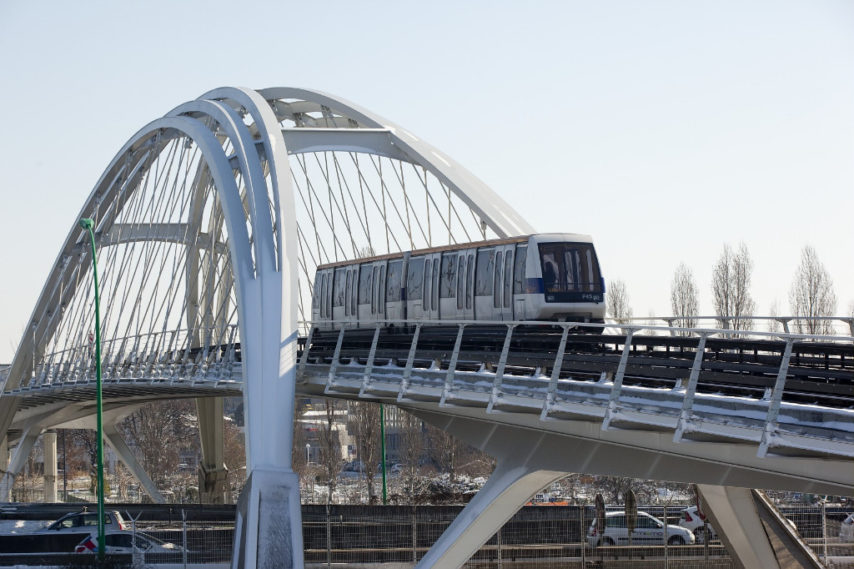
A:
(209, 223)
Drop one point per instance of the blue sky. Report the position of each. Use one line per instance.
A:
(664, 129)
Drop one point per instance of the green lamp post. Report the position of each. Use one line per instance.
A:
(87, 224)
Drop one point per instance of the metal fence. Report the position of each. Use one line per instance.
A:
(537, 537)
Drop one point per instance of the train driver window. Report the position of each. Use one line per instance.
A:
(485, 267)
(519, 283)
(496, 281)
(415, 279)
(448, 280)
(549, 272)
(571, 262)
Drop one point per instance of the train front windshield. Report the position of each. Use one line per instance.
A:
(570, 272)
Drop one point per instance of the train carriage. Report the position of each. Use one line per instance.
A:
(534, 277)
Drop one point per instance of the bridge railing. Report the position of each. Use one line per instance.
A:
(186, 354)
(826, 325)
(691, 380)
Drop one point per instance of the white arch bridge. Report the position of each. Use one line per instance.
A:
(210, 222)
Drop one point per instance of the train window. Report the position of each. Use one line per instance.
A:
(365, 284)
(508, 278)
(485, 267)
(394, 281)
(376, 271)
(461, 280)
(338, 288)
(348, 293)
(434, 300)
(448, 281)
(381, 291)
(470, 280)
(519, 282)
(496, 281)
(415, 279)
(571, 262)
(569, 267)
(323, 286)
(355, 292)
(427, 288)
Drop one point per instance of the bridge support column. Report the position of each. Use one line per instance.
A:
(50, 470)
(5, 494)
(520, 473)
(19, 458)
(755, 534)
(213, 475)
(120, 447)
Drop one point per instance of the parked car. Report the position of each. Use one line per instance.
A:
(126, 542)
(693, 520)
(649, 530)
(846, 530)
(84, 521)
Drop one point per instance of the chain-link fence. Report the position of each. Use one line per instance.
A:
(537, 537)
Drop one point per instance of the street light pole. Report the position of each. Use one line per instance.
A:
(87, 223)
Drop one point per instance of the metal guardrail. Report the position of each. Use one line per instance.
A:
(766, 420)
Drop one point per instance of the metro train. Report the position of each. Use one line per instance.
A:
(552, 276)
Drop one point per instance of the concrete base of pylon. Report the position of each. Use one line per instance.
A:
(268, 529)
(213, 485)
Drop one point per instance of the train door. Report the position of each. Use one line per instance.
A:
(448, 275)
(502, 282)
(339, 288)
(483, 283)
(464, 306)
(415, 288)
(364, 294)
(378, 291)
(350, 288)
(520, 283)
(322, 307)
(430, 303)
(394, 302)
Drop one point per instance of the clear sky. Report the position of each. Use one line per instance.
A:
(663, 128)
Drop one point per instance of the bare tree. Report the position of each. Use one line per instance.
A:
(617, 302)
(234, 449)
(684, 297)
(412, 439)
(365, 423)
(774, 312)
(159, 432)
(811, 296)
(731, 287)
(444, 451)
(330, 449)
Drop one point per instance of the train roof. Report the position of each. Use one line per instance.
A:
(460, 246)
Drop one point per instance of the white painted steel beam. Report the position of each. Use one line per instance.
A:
(117, 442)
